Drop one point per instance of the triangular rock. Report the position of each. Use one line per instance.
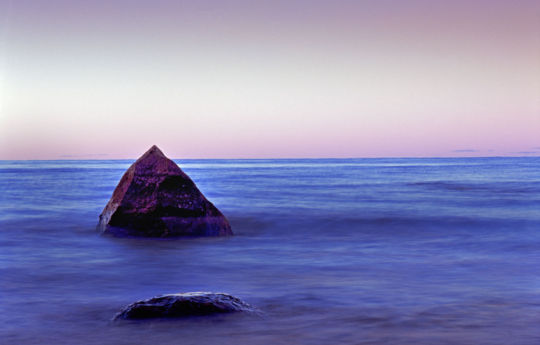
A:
(155, 198)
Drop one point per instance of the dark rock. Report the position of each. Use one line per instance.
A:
(155, 198)
(184, 305)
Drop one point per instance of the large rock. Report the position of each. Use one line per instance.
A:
(155, 198)
(183, 305)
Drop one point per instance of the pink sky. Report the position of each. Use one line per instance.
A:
(246, 79)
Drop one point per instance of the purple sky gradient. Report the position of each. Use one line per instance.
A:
(258, 79)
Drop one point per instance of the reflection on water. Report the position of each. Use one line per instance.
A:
(364, 251)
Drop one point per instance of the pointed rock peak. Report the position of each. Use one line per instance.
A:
(154, 151)
(154, 162)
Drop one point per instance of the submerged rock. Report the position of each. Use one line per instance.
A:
(183, 305)
(155, 198)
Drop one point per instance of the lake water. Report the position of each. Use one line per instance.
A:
(348, 251)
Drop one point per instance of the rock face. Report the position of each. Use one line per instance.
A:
(155, 198)
(183, 305)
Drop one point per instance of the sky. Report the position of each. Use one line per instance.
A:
(269, 79)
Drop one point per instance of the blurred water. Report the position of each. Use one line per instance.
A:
(349, 251)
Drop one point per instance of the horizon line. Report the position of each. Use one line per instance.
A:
(276, 158)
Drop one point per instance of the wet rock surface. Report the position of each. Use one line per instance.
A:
(155, 198)
(184, 305)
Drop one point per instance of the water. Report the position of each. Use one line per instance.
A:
(355, 251)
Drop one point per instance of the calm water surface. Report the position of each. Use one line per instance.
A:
(359, 251)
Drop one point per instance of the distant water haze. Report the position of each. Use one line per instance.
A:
(215, 79)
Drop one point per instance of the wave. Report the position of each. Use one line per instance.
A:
(329, 225)
(498, 187)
